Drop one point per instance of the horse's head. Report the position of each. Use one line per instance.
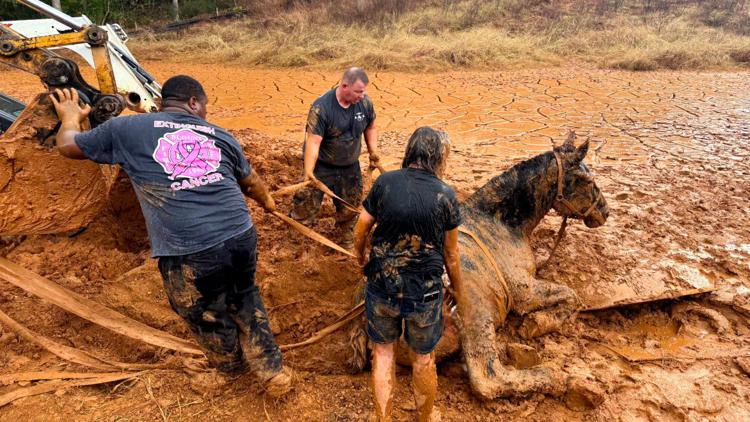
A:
(578, 196)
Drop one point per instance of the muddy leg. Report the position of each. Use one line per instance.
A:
(358, 336)
(345, 221)
(247, 310)
(205, 312)
(258, 344)
(347, 185)
(424, 383)
(383, 379)
(489, 378)
(545, 305)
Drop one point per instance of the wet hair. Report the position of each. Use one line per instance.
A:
(427, 149)
(354, 74)
(181, 88)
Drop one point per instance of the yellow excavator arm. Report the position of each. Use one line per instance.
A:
(92, 35)
(41, 191)
(33, 56)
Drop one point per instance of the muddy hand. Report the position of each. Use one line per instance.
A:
(309, 177)
(375, 163)
(269, 204)
(66, 105)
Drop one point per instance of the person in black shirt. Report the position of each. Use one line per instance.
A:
(417, 218)
(191, 179)
(335, 125)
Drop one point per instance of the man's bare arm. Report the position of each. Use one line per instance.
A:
(361, 230)
(253, 187)
(312, 150)
(71, 115)
(371, 140)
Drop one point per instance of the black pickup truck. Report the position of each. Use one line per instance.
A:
(10, 109)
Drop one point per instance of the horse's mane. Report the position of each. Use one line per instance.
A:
(511, 196)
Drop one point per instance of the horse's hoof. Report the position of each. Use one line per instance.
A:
(538, 324)
(522, 356)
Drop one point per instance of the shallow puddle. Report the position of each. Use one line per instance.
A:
(658, 341)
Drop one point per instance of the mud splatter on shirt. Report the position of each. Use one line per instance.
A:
(341, 128)
(413, 209)
(185, 172)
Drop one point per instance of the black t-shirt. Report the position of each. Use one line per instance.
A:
(413, 209)
(185, 173)
(341, 128)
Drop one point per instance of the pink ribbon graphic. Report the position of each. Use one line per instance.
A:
(187, 154)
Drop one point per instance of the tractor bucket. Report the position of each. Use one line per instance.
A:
(41, 191)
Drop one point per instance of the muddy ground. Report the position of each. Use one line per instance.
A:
(670, 152)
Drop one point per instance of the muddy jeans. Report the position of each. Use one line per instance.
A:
(416, 305)
(214, 291)
(345, 182)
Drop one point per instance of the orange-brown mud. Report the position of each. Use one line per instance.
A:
(43, 192)
(670, 152)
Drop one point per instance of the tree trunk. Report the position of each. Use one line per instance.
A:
(56, 4)
(176, 8)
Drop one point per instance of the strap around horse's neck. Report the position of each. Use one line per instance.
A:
(560, 197)
(500, 278)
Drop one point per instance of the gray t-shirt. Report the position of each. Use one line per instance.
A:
(185, 173)
(341, 128)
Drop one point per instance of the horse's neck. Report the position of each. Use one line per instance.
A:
(521, 196)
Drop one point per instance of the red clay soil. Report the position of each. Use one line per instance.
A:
(669, 150)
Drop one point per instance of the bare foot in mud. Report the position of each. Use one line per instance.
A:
(435, 416)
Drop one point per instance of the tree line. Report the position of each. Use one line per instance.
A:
(128, 13)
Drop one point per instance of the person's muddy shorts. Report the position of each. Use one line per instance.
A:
(422, 318)
(214, 291)
(346, 182)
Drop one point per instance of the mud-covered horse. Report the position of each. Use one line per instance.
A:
(499, 269)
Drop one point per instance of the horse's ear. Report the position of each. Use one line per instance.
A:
(569, 141)
(581, 151)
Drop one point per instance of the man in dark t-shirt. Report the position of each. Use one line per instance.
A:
(417, 218)
(333, 142)
(190, 177)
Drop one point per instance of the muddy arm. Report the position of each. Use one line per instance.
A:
(71, 115)
(253, 187)
(371, 140)
(453, 261)
(361, 230)
(312, 149)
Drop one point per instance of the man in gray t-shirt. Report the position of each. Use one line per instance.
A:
(335, 126)
(190, 177)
